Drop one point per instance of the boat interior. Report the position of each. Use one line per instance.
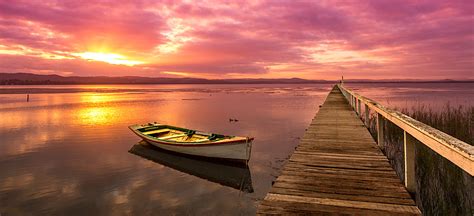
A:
(177, 135)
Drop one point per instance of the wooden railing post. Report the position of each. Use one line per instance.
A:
(352, 101)
(409, 147)
(358, 108)
(380, 129)
(355, 104)
(367, 115)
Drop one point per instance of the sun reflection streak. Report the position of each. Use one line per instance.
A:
(96, 98)
(97, 115)
(99, 98)
(97, 111)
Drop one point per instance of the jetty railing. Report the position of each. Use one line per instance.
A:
(456, 151)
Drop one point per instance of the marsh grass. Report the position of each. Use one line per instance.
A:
(442, 187)
(455, 121)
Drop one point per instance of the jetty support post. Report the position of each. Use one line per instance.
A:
(352, 101)
(355, 104)
(409, 150)
(380, 129)
(358, 108)
(367, 123)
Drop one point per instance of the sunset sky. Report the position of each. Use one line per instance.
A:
(317, 39)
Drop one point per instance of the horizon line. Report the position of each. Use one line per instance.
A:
(256, 79)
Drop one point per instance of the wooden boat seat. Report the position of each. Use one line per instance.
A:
(156, 131)
(172, 136)
(202, 140)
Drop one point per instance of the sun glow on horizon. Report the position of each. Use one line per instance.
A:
(177, 73)
(110, 58)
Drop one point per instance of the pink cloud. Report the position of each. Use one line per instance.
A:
(126, 27)
(308, 39)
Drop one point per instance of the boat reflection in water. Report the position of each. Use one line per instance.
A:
(235, 175)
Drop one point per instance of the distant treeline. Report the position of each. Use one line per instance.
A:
(154, 81)
(32, 82)
(36, 79)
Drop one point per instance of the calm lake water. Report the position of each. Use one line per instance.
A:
(68, 150)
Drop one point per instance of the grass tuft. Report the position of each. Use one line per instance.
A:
(455, 121)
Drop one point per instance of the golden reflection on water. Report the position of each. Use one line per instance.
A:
(101, 109)
(97, 98)
(97, 115)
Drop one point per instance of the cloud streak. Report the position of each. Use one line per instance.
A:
(307, 39)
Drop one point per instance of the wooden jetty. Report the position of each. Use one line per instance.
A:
(338, 169)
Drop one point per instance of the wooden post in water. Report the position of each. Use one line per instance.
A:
(409, 149)
(27, 97)
(380, 129)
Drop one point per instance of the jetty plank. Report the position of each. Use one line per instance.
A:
(338, 169)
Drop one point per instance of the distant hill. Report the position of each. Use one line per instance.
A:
(36, 79)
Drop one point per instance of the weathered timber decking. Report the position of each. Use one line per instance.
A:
(338, 169)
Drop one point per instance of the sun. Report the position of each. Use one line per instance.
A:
(110, 58)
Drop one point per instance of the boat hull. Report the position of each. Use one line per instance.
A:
(236, 150)
(233, 151)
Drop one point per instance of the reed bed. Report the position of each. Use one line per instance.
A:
(455, 121)
(442, 187)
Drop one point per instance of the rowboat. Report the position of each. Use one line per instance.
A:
(226, 173)
(192, 142)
